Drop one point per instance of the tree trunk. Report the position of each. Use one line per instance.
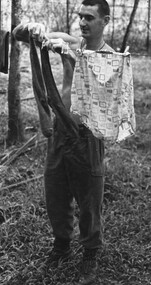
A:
(132, 16)
(113, 27)
(68, 24)
(15, 127)
(0, 15)
(148, 29)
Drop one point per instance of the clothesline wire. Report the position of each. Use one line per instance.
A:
(135, 54)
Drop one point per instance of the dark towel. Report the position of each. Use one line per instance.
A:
(44, 87)
(4, 50)
(40, 92)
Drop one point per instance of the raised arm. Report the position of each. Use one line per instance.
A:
(53, 39)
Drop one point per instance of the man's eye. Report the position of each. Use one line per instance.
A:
(88, 18)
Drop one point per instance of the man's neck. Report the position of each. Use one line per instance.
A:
(95, 44)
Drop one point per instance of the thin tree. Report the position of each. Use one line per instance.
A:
(148, 28)
(113, 27)
(68, 24)
(63, 15)
(15, 127)
(0, 15)
(132, 16)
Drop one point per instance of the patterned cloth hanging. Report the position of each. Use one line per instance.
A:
(102, 94)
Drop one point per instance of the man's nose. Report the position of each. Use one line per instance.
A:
(82, 21)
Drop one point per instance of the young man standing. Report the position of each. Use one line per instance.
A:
(67, 174)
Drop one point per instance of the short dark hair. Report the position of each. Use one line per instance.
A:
(103, 6)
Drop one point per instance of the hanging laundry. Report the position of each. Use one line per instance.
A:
(46, 93)
(5, 30)
(102, 94)
(4, 51)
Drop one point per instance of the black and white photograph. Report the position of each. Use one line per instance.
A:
(75, 142)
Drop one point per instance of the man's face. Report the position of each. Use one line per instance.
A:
(91, 23)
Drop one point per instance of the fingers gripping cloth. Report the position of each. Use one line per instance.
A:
(47, 94)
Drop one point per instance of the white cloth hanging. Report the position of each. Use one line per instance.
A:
(102, 94)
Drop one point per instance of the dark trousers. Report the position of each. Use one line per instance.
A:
(74, 169)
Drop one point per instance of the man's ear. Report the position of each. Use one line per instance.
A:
(106, 19)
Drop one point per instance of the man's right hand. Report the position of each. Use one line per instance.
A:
(37, 31)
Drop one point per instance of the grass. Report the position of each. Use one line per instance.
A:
(25, 232)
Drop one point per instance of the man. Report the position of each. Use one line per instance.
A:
(69, 174)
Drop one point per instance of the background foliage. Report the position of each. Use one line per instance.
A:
(54, 15)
